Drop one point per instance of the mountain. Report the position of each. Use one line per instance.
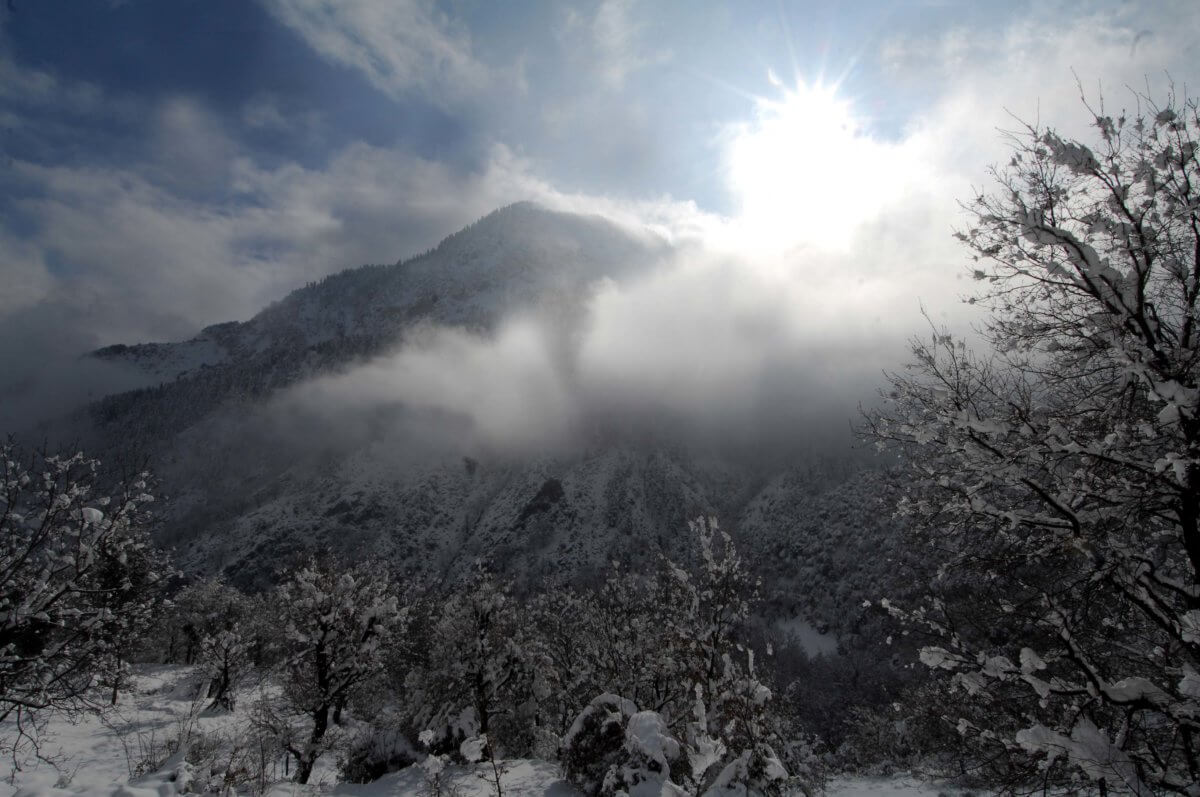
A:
(249, 494)
(520, 258)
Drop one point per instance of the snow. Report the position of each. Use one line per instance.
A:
(1189, 685)
(1130, 690)
(520, 777)
(647, 734)
(97, 755)
(164, 362)
(1031, 661)
(898, 786)
(935, 657)
(472, 749)
(1089, 748)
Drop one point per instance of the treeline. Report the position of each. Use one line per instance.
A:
(648, 677)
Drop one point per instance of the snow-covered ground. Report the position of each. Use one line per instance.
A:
(100, 755)
(535, 778)
(109, 756)
(899, 786)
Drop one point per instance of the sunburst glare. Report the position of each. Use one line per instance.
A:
(806, 172)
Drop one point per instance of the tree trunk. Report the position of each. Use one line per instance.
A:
(304, 765)
(218, 690)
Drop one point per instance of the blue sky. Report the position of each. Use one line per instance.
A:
(168, 165)
(615, 97)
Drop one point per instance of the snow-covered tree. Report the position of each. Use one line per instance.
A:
(1060, 470)
(220, 628)
(476, 678)
(77, 581)
(682, 701)
(338, 626)
(226, 651)
(564, 649)
(731, 732)
(226, 658)
(130, 584)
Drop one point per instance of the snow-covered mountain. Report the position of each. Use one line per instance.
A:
(248, 501)
(522, 257)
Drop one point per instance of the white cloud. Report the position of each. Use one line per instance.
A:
(189, 146)
(982, 78)
(508, 388)
(144, 257)
(399, 45)
(619, 41)
(137, 260)
(28, 85)
(611, 43)
(725, 349)
(264, 113)
(270, 113)
(786, 339)
(137, 257)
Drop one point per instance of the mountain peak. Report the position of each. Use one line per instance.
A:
(519, 257)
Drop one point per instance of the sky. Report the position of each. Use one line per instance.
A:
(169, 165)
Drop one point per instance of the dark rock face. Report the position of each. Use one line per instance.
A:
(549, 495)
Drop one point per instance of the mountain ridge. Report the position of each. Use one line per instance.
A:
(252, 491)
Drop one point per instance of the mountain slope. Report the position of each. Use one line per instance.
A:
(520, 259)
(252, 491)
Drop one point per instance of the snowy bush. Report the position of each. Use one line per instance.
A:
(595, 742)
(915, 733)
(612, 748)
(375, 749)
(724, 711)
(225, 657)
(565, 645)
(1061, 469)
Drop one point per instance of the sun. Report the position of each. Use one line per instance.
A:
(805, 172)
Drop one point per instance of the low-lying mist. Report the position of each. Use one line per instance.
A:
(712, 351)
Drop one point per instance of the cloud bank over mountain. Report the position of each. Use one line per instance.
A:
(693, 346)
(189, 204)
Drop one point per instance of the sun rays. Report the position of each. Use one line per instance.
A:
(806, 172)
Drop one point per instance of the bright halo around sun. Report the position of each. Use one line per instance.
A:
(806, 173)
